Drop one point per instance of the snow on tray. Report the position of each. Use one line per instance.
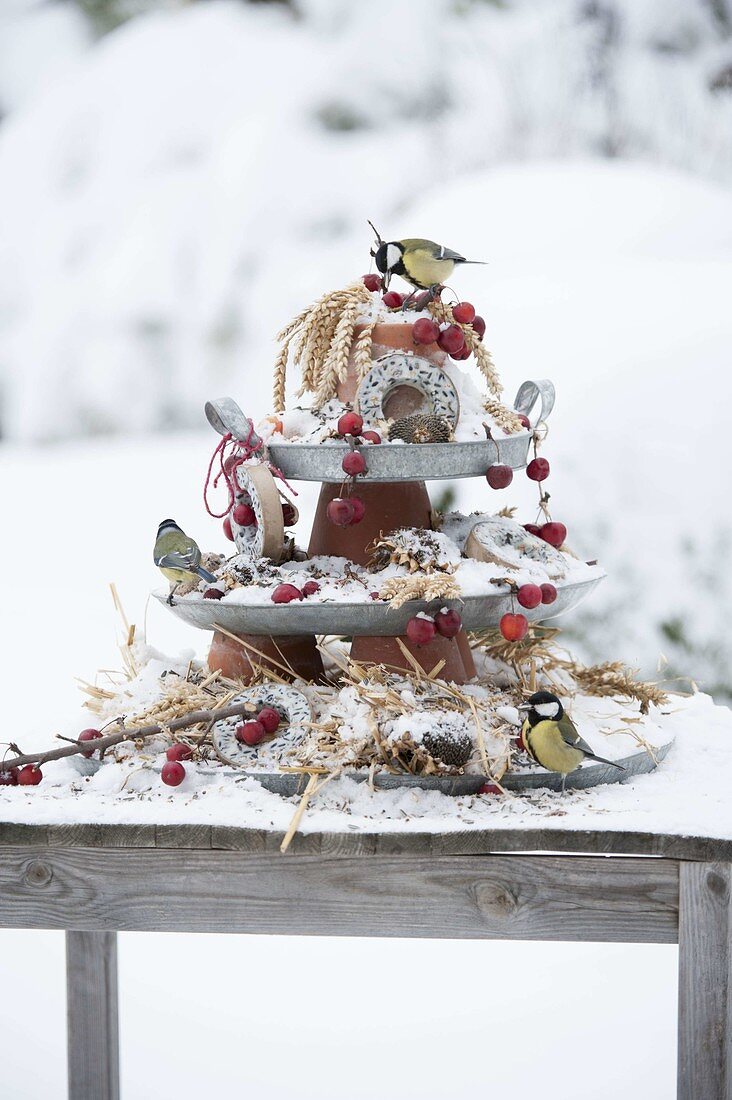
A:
(343, 581)
(308, 425)
(687, 795)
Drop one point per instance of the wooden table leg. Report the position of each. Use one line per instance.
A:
(93, 1040)
(705, 982)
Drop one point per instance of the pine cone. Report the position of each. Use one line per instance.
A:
(421, 429)
(452, 748)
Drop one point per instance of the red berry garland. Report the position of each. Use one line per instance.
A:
(529, 595)
(250, 733)
(179, 751)
(514, 627)
(421, 630)
(425, 331)
(30, 776)
(548, 593)
(88, 735)
(464, 313)
(554, 533)
(393, 299)
(354, 464)
(350, 423)
(448, 622)
(359, 510)
(340, 511)
(286, 593)
(269, 718)
(499, 476)
(538, 469)
(244, 515)
(451, 339)
(172, 773)
(372, 282)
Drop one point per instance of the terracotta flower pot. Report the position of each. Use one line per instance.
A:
(386, 338)
(388, 505)
(289, 656)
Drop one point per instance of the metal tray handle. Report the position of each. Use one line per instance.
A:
(531, 392)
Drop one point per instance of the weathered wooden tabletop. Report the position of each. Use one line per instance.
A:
(532, 884)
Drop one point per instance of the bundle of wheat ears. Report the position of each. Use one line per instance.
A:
(322, 338)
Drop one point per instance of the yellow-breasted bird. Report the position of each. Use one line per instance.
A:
(425, 264)
(551, 738)
(178, 557)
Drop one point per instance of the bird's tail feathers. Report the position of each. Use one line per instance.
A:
(205, 575)
(602, 760)
(481, 263)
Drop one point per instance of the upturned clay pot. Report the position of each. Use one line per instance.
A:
(289, 656)
(455, 652)
(388, 505)
(386, 339)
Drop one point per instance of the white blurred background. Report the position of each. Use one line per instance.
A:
(176, 180)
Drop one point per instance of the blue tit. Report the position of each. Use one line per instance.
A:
(551, 737)
(178, 557)
(424, 264)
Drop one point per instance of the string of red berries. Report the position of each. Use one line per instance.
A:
(423, 628)
(538, 470)
(345, 511)
(449, 337)
(286, 593)
(254, 730)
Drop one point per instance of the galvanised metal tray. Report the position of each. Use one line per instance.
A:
(369, 617)
(639, 762)
(400, 461)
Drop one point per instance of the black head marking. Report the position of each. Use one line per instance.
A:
(542, 699)
(389, 258)
(168, 525)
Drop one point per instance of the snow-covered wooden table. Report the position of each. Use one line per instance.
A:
(635, 887)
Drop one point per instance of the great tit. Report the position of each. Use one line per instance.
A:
(178, 557)
(551, 737)
(424, 264)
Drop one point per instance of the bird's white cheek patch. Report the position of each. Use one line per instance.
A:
(547, 710)
(393, 255)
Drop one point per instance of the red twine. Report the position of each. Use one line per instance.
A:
(241, 450)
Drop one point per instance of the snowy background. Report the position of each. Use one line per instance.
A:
(176, 180)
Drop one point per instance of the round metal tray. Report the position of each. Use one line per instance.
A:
(639, 762)
(370, 617)
(400, 461)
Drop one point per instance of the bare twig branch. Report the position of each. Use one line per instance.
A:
(194, 718)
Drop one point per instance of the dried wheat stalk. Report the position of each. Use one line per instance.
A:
(615, 678)
(319, 341)
(504, 417)
(435, 586)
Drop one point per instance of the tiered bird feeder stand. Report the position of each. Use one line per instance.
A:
(389, 412)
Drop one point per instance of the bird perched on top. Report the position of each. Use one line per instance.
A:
(178, 557)
(425, 264)
(551, 737)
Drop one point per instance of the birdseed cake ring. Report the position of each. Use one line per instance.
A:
(264, 537)
(399, 385)
(291, 705)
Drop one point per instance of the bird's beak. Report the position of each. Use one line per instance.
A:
(524, 706)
